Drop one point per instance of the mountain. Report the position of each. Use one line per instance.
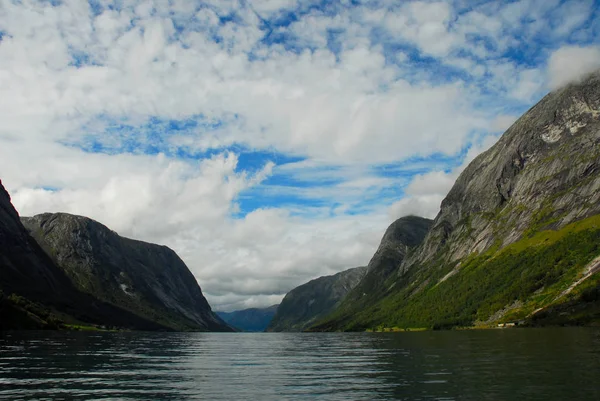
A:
(36, 294)
(517, 236)
(305, 304)
(400, 238)
(148, 280)
(252, 319)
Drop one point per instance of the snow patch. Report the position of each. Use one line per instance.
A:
(126, 289)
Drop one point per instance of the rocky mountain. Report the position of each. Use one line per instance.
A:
(400, 238)
(305, 304)
(252, 319)
(516, 237)
(148, 280)
(35, 293)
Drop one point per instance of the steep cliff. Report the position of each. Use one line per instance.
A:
(146, 279)
(542, 173)
(517, 230)
(400, 238)
(305, 304)
(251, 319)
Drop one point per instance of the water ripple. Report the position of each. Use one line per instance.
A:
(492, 365)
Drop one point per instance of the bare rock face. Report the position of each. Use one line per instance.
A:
(305, 304)
(400, 238)
(148, 280)
(542, 173)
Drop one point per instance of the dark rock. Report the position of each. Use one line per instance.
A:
(148, 280)
(34, 289)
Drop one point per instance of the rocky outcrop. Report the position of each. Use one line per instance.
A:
(305, 304)
(251, 319)
(400, 238)
(148, 280)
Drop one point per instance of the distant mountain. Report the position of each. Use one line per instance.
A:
(305, 304)
(252, 319)
(148, 280)
(517, 238)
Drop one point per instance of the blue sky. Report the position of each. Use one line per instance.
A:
(268, 142)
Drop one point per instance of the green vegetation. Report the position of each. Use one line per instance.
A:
(580, 307)
(381, 329)
(80, 327)
(20, 312)
(519, 279)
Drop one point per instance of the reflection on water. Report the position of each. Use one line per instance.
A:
(545, 364)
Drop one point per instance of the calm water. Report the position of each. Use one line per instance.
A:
(548, 364)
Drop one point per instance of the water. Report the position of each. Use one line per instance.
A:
(532, 364)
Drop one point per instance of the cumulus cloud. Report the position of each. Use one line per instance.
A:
(425, 24)
(572, 63)
(154, 197)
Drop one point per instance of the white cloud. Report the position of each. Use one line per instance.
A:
(424, 206)
(572, 63)
(529, 83)
(270, 6)
(502, 122)
(138, 196)
(426, 24)
(307, 103)
(431, 183)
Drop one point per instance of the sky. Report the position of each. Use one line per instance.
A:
(268, 142)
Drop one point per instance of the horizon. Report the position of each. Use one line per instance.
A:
(266, 145)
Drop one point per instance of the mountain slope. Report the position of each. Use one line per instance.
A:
(305, 304)
(252, 319)
(35, 293)
(517, 229)
(146, 279)
(400, 238)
